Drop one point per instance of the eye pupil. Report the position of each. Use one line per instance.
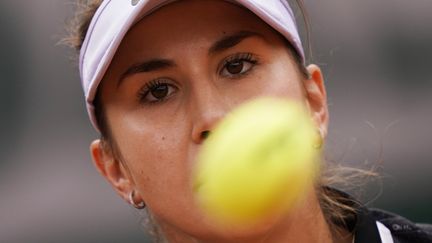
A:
(160, 92)
(235, 67)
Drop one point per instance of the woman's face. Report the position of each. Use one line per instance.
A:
(176, 74)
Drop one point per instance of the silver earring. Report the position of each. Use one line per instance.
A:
(139, 205)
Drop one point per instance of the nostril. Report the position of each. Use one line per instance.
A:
(205, 134)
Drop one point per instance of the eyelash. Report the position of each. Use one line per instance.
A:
(148, 87)
(240, 57)
(153, 84)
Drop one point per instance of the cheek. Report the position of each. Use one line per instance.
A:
(151, 147)
(280, 79)
(155, 152)
(160, 162)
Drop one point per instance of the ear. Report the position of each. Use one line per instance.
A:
(112, 169)
(317, 98)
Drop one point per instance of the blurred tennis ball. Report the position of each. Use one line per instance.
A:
(257, 163)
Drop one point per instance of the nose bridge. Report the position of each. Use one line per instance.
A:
(209, 106)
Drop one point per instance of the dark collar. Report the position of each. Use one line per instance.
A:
(366, 229)
(361, 223)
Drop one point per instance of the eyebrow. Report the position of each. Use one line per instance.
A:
(147, 66)
(158, 64)
(231, 41)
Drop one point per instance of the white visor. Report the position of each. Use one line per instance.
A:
(114, 18)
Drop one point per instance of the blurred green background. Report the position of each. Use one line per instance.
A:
(376, 56)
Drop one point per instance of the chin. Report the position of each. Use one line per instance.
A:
(217, 231)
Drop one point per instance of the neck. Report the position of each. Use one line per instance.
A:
(307, 224)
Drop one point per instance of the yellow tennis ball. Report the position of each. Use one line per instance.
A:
(257, 163)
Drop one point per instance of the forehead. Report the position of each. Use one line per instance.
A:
(192, 21)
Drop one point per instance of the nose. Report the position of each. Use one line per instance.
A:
(208, 108)
(205, 134)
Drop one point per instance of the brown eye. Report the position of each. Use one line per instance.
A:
(160, 91)
(156, 91)
(235, 67)
(238, 65)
